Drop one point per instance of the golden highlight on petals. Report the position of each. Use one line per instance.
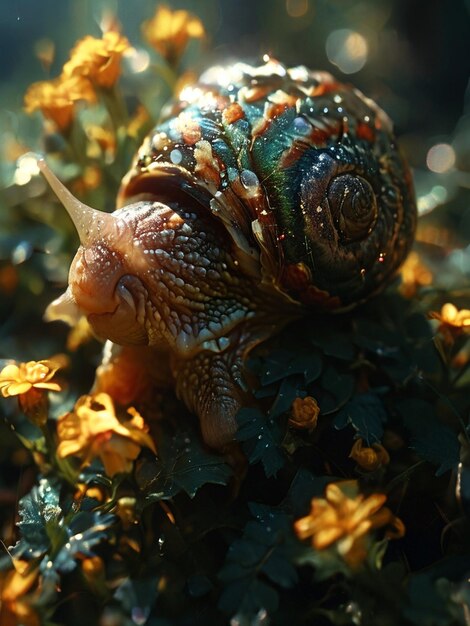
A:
(92, 430)
(99, 60)
(414, 274)
(169, 32)
(18, 379)
(15, 606)
(452, 318)
(343, 519)
(369, 458)
(56, 98)
(304, 413)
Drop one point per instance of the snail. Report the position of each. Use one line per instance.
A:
(264, 193)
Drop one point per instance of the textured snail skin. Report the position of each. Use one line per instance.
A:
(263, 192)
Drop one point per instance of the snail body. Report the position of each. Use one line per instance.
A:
(265, 191)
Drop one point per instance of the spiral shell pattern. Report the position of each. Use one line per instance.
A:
(302, 170)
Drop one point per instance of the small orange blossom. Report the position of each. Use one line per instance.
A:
(18, 379)
(15, 609)
(93, 430)
(170, 31)
(414, 274)
(344, 519)
(452, 318)
(304, 413)
(56, 98)
(99, 60)
(369, 458)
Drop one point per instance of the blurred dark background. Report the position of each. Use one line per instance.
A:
(417, 59)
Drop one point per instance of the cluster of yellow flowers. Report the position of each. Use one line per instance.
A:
(92, 430)
(95, 64)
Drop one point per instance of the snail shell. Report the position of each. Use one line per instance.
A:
(263, 192)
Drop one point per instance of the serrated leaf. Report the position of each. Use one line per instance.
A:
(48, 533)
(337, 388)
(366, 414)
(266, 549)
(289, 389)
(433, 441)
(303, 488)
(85, 530)
(37, 510)
(283, 363)
(333, 343)
(182, 465)
(261, 439)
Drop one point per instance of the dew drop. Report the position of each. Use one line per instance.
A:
(176, 156)
(249, 179)
(301, 126)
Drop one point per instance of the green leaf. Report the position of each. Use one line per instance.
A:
(282, 363)
(289, 389)
(182, 465)
(366, 414)
(38, 510)
(303, 488)
(47, 532)
(261, 438)
(427, 604)
(333, 343)
(432, 440)
(265, 552)
(336, 388)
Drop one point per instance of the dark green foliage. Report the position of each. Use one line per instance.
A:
(366, 414)
(433, 441)
(261, 438)
(260, 558)
(182, 464)
(56, 534)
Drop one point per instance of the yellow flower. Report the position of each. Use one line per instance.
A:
(18, 379)
(453, 319)
(343, 520)
(92, 430)
(56, 98)
(170, 31)
(15, 609)
(304, 413)
(99, 60)
(371, 458)
(414, 274)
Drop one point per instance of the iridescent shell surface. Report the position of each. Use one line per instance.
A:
(303, 171)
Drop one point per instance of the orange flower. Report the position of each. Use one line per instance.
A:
(371, 458)
(93, 430)
(15, 609)
(170, 31)
(99, 60)
(452, 319)
(304, 413)
(19, 379)
(414, 274)
(343, 520)
(56, 98)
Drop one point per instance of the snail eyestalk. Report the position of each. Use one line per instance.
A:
(90, 223)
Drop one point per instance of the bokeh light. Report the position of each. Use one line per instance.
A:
(297, 8)
(26, 168)
(138, 60)
(347, 49)
(440, 158)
